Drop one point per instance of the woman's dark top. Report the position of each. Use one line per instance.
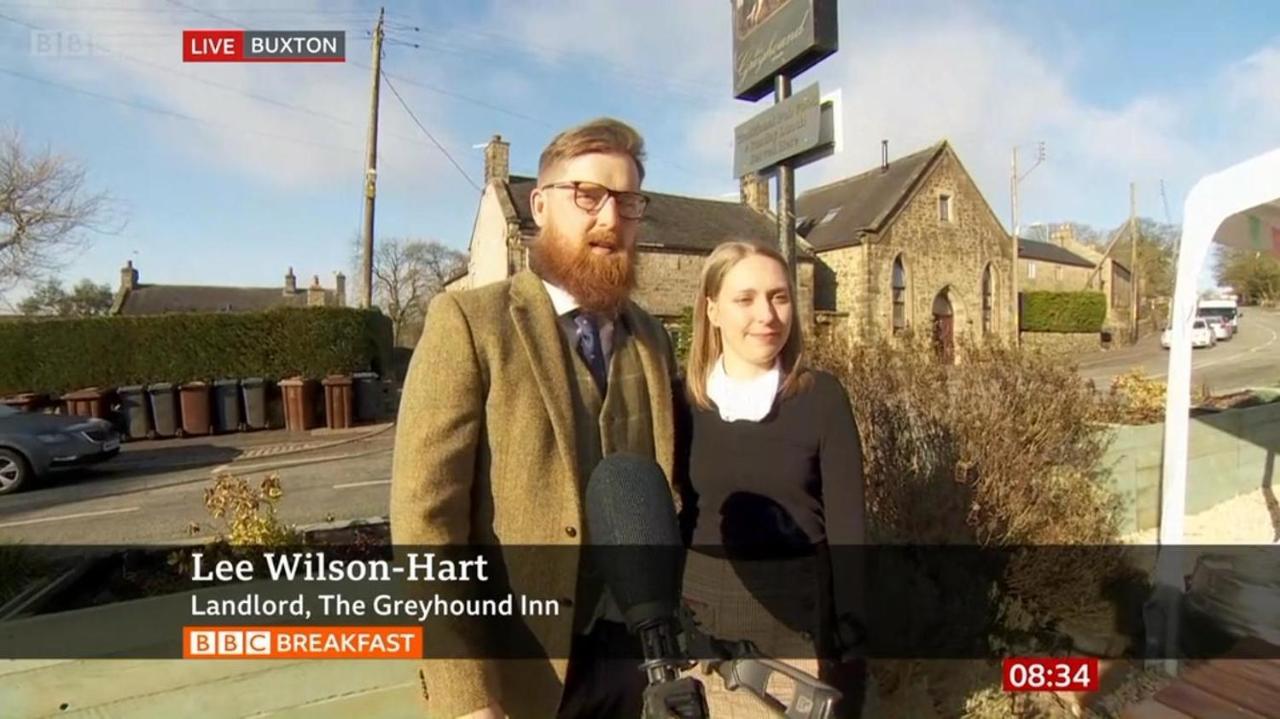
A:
(780, 486)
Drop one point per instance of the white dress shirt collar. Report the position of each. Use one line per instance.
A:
(743, 399)
(562, 301)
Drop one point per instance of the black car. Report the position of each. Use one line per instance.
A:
(32, 445)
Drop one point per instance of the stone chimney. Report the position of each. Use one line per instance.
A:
(755, 191)
(340, 289)
(128, 276)
(497, 160)
(290, 283)
(1062, 235)
(315, 293)
(884, 155)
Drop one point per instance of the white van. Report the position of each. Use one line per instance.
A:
(1228, 310)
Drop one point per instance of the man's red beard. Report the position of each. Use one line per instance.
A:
(600, 283)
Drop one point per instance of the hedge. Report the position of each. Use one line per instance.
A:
(1063, 311)
(58, 355)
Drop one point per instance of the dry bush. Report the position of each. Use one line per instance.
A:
(1136, 399)
(249, 513)
(1002, 450)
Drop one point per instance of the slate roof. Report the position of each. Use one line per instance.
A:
(164, 299)
(1046, 252)
(862, 203)
(675, 222)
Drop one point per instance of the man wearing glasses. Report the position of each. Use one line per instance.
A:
(515, 392)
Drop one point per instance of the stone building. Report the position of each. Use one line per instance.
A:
(136, 298)
(911, 245)
(1065, 264)
(675, 236)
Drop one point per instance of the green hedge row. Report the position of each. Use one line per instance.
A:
(1063, 311)
(58, 355)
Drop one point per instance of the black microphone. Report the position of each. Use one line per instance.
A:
(636, 546)
(635, 543)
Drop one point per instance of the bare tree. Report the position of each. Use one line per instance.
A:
(406, 275)
(46, 212)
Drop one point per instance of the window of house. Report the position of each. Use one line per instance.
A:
(1031, 270)
(988, 292)
(831, 215)
(899, 296)
(944, 208)
(1057, 272)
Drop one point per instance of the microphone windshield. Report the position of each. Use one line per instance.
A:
(634, 537)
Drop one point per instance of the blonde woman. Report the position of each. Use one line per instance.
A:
(774, 465)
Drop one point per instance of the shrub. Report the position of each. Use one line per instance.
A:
(1063, 311)
(684, 335)
(61, 355)
(247, 513)
(1135, 399)
(1001, 451)
(19, 567)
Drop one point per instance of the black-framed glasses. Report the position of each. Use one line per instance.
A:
(591, 197)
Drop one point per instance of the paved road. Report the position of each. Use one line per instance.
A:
(1250, 359)
(101, 506)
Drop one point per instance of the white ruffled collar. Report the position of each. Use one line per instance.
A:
(743, 399)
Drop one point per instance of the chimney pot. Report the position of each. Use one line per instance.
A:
(754, 191)
(315, 293)
(340, 289)
(128, 276)
(884, 155)
(290, 283)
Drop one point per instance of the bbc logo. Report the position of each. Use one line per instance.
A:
(228, 642)
(64, 43)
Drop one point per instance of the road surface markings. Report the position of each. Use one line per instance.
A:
(63, 517)
(235, 468)
(1227, 358)
(370, 483)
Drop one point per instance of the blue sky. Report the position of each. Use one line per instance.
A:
(267, 174)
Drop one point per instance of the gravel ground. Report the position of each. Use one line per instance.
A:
(1245, 519)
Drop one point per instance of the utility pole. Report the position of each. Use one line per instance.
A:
(371, 168)
(1013, 229)
(786, 192)
(1014, 179)
(1133, 263)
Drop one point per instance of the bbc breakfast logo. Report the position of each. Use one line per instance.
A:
(275, 642)
(264, 46)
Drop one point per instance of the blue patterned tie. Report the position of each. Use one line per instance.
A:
(589, 345)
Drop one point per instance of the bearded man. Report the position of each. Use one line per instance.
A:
(516, 391)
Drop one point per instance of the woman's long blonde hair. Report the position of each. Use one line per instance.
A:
(706, 346)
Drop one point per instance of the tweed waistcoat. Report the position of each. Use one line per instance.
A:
(621, 421)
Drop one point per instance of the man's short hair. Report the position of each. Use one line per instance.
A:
(604, 134)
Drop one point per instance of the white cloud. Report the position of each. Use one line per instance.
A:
(673, 49)
(1252, 96)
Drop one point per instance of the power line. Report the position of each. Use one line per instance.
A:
(166, 112)
(407, 109)
(223, 86)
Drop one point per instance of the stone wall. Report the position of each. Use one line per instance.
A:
(667, 282)
(1067, 344)
(1054, 277)
(843, 287)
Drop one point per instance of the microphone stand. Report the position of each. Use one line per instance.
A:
(668, 695)
(741, 666)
